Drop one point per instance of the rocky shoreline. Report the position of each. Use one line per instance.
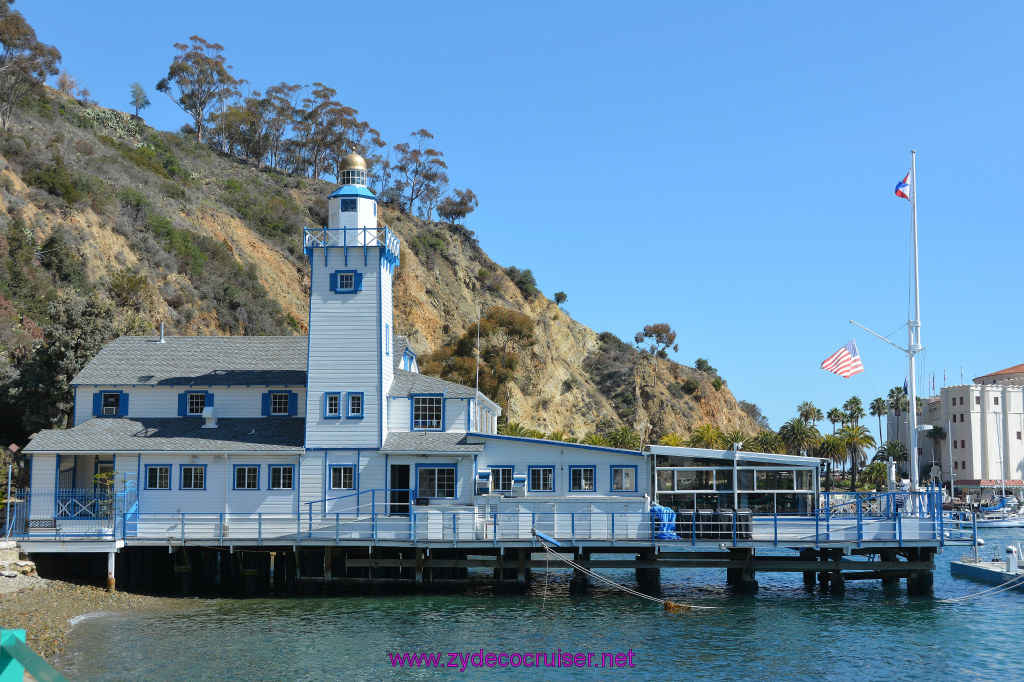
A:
(44, 608)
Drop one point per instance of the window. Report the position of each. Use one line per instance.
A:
(353, 176)
(193, 477)
(343, 477)
(1018, 435)
(961, 400)
(624, 479)
(977, 400)
(501, 479)
(247, 477)
(436, 482)
(332, 406)
(996, 399)
(961, 416)
(281, 477)
(111, 404)
(581, 479)
(542, 479)
(346, 281)
(427, 412)
(278, 403)
(962, 444)
(387, 339)
(158, 477)
(956, 464)
(954, 402)
(355, 405)
(954, 445)
(348, 205)
(196, 403)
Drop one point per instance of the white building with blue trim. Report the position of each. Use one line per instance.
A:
(210, 436)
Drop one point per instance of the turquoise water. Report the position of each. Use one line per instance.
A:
(781, 632)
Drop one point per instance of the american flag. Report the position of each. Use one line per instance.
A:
(845, 362)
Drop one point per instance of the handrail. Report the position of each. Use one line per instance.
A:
(16, 658)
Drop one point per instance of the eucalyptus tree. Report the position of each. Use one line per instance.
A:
(799, 436)
(835, 416)
(879, 408)
(200, 74)
(24, 61)
(856, 438)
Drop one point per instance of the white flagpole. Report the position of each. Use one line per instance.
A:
(914, 327)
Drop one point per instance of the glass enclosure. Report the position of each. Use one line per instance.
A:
(762, 487)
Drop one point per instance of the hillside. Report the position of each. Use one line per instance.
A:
(155, 227)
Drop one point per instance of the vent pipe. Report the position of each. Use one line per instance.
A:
(161, 332)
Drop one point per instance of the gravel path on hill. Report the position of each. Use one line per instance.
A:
(44, 608)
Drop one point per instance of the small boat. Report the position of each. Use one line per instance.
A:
(1008, 572)
(1005, 513)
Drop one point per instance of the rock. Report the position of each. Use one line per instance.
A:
(9, 574)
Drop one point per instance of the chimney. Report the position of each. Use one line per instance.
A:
(210, 415)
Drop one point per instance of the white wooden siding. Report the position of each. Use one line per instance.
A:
(162, 401)
(344, 350)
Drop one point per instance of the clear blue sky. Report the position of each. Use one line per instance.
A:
(727, 168)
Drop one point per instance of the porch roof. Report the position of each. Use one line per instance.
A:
(173, 435)
(420, 442)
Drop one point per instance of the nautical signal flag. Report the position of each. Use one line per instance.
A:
(902, 187)
(845, 362)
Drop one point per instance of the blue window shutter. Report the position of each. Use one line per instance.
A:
(97, 404)
(209, 399)
(182, 404)
(334, 281)
(359, 281)
(123, 411)
(266, 405)
(293, 404)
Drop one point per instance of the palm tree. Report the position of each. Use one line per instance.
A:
(817, 416)
(706, 436)
(898, 403)
(833, 448)
(595, 439)
(799, 436)
(514, 429)
(836, 416)
(937, 434)
(854, 409)
(856, 438)
(807, 411)
(875, 474)
(624, 438)
(673, 440)
(765, 441)
(557, 435)
(893, 449)
(734, 436)
(879, 408)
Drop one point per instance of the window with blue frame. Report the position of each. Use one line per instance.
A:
(436, 481)
(247, 477)
(624, 479)
(196, 403)
(343, 477)
(348, 205)
(281, 477)
(332, 406)
(158, 477)
(346, 281)
(427, 413)
(111, 404)
(542, 479)
(355, 406)
(387, 339)
(582, 479)
(193, 477)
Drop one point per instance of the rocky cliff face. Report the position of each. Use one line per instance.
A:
(212, 245)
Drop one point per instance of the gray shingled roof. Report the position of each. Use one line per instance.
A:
(400, 344)
(428, 442)
(173, 435)
(199, 361)
(408, 383)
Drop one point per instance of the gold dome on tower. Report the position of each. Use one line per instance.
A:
(353, 162)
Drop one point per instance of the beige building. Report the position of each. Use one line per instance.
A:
(984, 424)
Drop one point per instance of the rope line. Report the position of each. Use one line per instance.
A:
(985, 593)
(669, 605)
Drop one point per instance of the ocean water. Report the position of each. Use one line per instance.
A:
(782, 632)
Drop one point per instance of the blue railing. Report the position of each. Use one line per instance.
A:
(391, 515)
(16, 658)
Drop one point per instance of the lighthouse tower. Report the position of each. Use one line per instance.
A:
(350, 367)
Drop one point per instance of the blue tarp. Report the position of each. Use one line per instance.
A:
(1001, 505)
(664, 522)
